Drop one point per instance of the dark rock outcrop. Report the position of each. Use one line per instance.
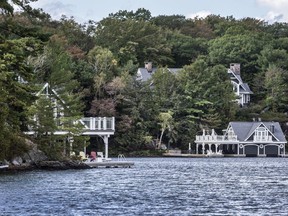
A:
(61, 165)
(36, 159)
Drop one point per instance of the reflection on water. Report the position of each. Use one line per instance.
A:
(154, 186)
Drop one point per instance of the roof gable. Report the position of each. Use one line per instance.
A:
(48, 91)
(252, 132)
(244, 87)
(235, 76)
(244, 130)
(241, 129)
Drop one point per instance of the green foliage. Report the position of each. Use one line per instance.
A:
(165, 121)
(92, 68)
(139, 40)
(170, 22)
(139, 15)
(186, 49)
(164, 85)
(6, 7)
(79, 37)
(234, 48)
(277, 89)
(205, 99)
(16, 95)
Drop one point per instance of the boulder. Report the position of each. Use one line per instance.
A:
(17, 161)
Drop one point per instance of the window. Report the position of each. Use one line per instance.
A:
(230, 133)
(261, 134)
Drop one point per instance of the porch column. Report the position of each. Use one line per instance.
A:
(203, 148)
(84, 147)
(105, 138)
(196, 148)
(209, 147)
(216, 148)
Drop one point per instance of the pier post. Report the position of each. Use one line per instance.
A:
(105, 138)
(85, 147)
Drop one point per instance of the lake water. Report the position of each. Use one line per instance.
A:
(154, 186)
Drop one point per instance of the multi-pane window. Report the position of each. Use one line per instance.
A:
(261, 134)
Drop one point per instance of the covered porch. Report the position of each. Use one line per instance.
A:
(211, 142)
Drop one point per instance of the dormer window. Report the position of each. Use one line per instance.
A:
(261, 134)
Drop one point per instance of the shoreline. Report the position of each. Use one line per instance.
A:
(205, 156)
(46, 165)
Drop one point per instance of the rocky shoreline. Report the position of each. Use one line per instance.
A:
(37, 160)
(46, 165)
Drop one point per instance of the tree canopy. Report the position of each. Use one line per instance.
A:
(93, 67)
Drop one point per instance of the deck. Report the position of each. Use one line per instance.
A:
(111, 164)
(91, 126)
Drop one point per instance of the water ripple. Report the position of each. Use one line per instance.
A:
(155, 186)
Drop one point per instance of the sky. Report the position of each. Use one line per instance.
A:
(85, 10)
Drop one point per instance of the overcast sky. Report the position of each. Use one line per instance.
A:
(84, 10)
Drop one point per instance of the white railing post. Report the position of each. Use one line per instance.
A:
(113, 123)
(104, 123)
(99, 123)
(91, 127)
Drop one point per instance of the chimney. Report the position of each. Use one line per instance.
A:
(272, 128)
(149, 66)
(235, 67)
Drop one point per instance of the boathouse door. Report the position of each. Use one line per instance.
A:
(251, 150)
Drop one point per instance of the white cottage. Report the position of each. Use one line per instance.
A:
(92, 126)
(244, 139)
(241, 89)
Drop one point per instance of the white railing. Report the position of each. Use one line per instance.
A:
(99, 123)
(215, 138)
(262, 138)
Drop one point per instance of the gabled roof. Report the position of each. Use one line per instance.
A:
(47, 90)
(244, 86)
(144, 75)
(244, 130)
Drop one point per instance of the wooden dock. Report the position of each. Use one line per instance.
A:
(198, 155)
(184, 155)
(111, 164)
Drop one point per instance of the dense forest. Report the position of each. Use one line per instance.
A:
(93, 67)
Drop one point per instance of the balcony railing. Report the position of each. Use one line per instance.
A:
(262, 138)
(215, 138)
(99, 123)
